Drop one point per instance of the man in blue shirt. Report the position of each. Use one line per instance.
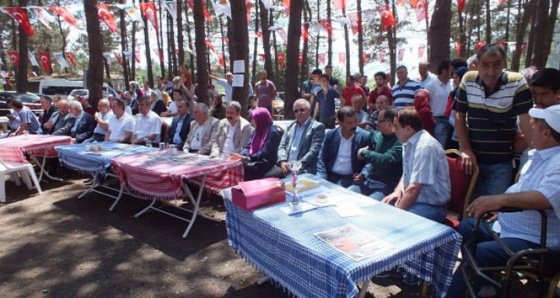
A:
(29, 122)
(324, 103)
(180, 125)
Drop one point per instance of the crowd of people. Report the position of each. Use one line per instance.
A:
(386, 143)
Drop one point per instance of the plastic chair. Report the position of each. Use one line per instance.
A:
(462, 186)
(540, 264)
(24, 169)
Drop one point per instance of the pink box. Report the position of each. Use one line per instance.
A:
(250, 195)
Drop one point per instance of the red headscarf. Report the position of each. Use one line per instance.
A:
(263, 122)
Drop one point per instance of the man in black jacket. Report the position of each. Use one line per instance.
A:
(180, 125)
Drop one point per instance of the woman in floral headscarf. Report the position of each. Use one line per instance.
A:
(422, 105)
(261, 153)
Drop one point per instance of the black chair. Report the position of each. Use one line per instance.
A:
(539, 264)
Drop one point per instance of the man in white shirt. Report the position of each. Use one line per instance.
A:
(425, 76)
(120, 126)
(233, 131)
(203, 131)
(226, 83)
(147, 128)
(439, 90)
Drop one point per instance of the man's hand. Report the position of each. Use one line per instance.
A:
(49, 125)
(360, 156)
(358, 179)
(391, 198)
(237, 156)
(485, 204)
(468, 161)
(285, 167)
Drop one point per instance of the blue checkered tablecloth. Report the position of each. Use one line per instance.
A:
(285, 249)
(78, 158)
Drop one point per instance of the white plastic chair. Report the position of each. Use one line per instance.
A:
(25, 170)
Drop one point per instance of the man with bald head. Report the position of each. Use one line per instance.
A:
(203, 131)
(84, 125)
(226, 83)
(102, 119)
(63, 119)
(382, 102)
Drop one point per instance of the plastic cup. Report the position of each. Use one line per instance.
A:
(162, 146)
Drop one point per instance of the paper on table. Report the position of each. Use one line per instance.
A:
(345, 210)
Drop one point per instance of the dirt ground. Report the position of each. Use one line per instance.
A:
(55, 245)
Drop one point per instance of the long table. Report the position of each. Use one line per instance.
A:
(162, 176)
(97, 163)
(284, 247)
(14, 149)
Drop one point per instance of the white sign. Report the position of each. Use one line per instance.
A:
(239, 66)
(238, 80)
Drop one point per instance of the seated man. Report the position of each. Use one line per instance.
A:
(121, 126)
(48, 110)
(84, 125)
(381, 104)
(203, 131)
(302, 141)
(424, 188)
(62, 121)
(180, 125)
(338, 161)
(29, 122)
(102, 119)
(147, 126)
(537, 189)
(383, 157)
(233, 131)
(358, 103)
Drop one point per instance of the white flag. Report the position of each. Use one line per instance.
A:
(41, 15)
(171, 7)
(132, 12)
(32, 59)
(222, 7)
(60, 59)
(267, 3)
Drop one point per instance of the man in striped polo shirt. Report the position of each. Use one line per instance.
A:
(489, 103)
(403, 90)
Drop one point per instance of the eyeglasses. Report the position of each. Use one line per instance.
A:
(300, 111)
(381, 121)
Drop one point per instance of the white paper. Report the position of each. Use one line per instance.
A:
(238, 80)
(239, 66)
(348, 210)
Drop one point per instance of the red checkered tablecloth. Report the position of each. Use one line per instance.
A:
(14, 149)
(159, 174)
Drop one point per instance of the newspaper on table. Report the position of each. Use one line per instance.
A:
(353, 242)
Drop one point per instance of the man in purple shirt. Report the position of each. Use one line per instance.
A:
(265, 91)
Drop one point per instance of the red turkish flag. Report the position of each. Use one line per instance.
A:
(420, 10)
(327, 25)
(305, 31)
(480, 45)
(281, 59)
(413, 3)
(190, 3)
(364, 57)
(342, 58)
(502, 44)
(503, 2)
(70, 57)
(258, 34)
(300, 58)
(65, 14)
(45, 58)
(461, 5)
(150, 12)
(118, 56)
(210, 45)
(261, 56)
(458, 49)
(20, 15)
(321, 58)
(287, 7)
(207, 15)
(387, 18)
(339, 4)
(107, 18)
(353, 17)
(523, 46)
(137, 56)
(14, 57)
(400, 2)
(248, 7)
(221, 58)
(160, 54)
(226, 40)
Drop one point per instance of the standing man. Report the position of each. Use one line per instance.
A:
(403, 91)
(324, 103)
(233, 131)
(265, 91)
(424, 188)
(180, 125)
(226, 83)
(439, 90)
(338, 161)
(381, 88)
(333, 82)
(350, 90)
(489, 103)
(302, 141)
(48, 110)
(120, 127)
(29, 122)
(364, 84)
(425, 76)
(147, 127)
(383, 159)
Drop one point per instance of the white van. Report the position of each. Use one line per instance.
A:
(64, 87)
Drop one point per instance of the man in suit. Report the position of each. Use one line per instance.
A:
(233, 131)
(84, 125)
(62, 121)
(338, 161)
(48, 111)
(302, 141)
(180, 125)
(203, 131)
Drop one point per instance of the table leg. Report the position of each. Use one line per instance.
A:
(91, 188)
(145, 209)
(196, 204)
(363, 290)
(42, 171)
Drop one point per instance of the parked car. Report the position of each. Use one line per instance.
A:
(30, 100)
(85, 92)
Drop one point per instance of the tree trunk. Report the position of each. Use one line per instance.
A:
(360, 38)
(522, 23)
(551, 26)
(347, 45)
(21, 76)
(160, 41)
(329, 40)
(200, 44)
(239, 47)
(488, 23)
(223, 45)
(530, 42)
(292, 54)
(189, 39)
(180, 40)
(272, 75)
(124, 59)
(439, 43)
(540, 51)
(172, 47)
(133, 52)
(255, 45)
(150, 77)
(265, 24)
(304, 59)
(95, 46)
(392, 43)
(318, 41)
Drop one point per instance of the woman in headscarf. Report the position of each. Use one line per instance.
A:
(422, 105)
(261, 153)
(158, 106)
